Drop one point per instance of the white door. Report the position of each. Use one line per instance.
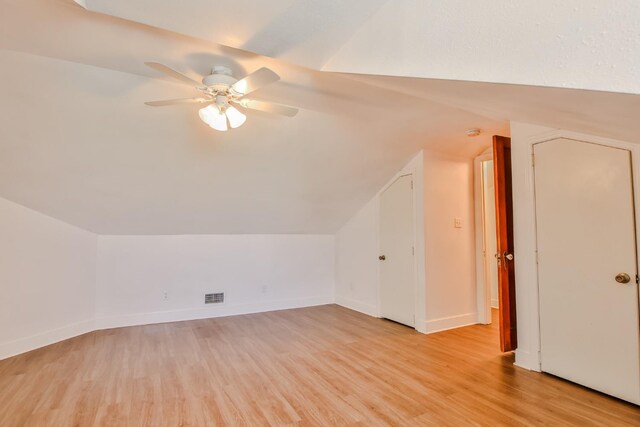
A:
(586, 237)
(397, 300)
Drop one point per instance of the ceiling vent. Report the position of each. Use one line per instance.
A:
(216, 298)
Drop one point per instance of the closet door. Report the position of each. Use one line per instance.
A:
(587, 266)
(397, 293)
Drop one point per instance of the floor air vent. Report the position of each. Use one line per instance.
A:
(214, 298)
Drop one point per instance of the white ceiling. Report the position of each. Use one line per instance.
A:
(580, 44)
(305, 32)
(77, 143)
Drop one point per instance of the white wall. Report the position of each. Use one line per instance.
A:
(47, 279)
(256, 273)
(449, 251)
(526, 271)
(58, 281)
(357, 269)
(445, 255)
(357, 249)
(583, 44)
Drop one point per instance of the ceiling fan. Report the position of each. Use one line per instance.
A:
(221, 91)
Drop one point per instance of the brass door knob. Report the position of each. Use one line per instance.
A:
(382, 257)
(623, 278)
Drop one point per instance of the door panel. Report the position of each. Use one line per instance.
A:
(397, 301)
(504, 243)
(586, 236)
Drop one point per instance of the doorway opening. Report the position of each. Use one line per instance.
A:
(489, 239)
(494, 241)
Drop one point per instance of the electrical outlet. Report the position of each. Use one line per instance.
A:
(457, 222)
(165, 295)
(264, 289)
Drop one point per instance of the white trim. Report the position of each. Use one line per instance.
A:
(361, 307)
(495, 303)
(451, 322)
(483, 287)
(207, 312)
(421, 326)
(524, 359)
(43, 339)
(528, 309)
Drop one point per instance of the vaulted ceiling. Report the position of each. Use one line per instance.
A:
(77, 142)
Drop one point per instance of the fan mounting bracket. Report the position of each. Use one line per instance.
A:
(220, 79)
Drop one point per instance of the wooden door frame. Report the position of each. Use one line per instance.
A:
(507, 319)
(528, 353)
(505, 243)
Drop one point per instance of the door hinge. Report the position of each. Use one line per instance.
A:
(413, 251)
(637, 280)
(412, 184)
(533, 159)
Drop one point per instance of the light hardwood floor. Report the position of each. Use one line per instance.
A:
(322, 366)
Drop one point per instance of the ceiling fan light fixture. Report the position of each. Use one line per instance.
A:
(219, 89)
(215, 118)
(236, 118)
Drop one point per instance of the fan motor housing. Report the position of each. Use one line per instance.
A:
(220, 78)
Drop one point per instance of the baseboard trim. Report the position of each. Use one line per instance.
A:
(43, 339)
(212, 311)
(358, 306)
(495, 303)
(451, 322)
(526, 360)
(23, 345)
(421, 326)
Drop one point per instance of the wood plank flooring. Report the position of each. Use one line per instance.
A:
(321, 366)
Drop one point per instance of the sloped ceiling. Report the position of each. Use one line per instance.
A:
(607, 114)
(305, 32)
(581, 44)
(77, 142)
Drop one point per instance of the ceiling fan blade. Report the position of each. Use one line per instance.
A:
(179, 101)
(268, 107)
(254, 81)
(173, 73)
